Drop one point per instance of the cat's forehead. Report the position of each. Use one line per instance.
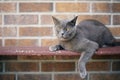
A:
(64, 22)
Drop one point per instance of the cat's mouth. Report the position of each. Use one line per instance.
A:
(65, 37)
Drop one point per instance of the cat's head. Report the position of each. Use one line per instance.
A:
(65, 29)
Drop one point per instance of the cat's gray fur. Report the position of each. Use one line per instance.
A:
(85, 38)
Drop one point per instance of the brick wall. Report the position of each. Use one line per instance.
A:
(29, 23)
(57, 68)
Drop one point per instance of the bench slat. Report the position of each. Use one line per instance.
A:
(39, 51)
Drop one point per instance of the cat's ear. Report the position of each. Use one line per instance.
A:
(73, 21)
(56, 21)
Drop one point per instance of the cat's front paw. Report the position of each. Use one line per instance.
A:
(54, 48)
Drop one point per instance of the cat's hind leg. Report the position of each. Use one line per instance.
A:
(85, 56)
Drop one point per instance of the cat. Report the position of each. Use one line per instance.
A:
(84, 38)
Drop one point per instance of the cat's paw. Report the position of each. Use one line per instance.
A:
(83, 73)
(82, 70)
(53, 48)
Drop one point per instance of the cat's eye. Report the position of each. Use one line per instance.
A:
(67, 29)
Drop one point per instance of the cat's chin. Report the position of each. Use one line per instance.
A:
(63, 39)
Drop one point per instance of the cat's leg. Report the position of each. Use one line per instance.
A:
(85, 56)
(56, 48)
(82, 67)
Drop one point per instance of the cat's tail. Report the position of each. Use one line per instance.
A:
(117, 42)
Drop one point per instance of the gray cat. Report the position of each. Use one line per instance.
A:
(85, 38)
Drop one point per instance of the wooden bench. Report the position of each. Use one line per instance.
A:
(39, 51)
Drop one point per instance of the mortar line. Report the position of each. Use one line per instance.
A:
(3, 23)
(17, 7)
(54, 7)
(16, 76)
(40, 68)
(3, 67)
(111, 62)
(53, 75)
(57, 13)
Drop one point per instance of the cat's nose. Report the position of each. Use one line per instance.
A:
(62, 33)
